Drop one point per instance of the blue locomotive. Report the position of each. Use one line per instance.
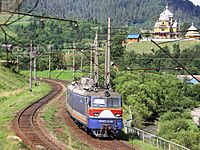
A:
(98, 111)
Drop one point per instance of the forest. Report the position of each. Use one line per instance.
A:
(164, 98)
(140, 13)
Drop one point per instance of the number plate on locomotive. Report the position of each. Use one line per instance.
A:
(106, 121)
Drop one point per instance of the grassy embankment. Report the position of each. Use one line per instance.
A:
(145, 46)
(14, 96)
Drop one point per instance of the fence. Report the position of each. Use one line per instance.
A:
(154, 140)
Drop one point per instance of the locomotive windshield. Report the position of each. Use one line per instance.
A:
(99, 102)
(106, 102)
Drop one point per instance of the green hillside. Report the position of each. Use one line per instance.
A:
(10, 81)
(146, 46)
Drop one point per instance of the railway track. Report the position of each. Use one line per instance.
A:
(27, 126)
(105, 144)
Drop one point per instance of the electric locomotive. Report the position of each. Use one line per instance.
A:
(97, 110)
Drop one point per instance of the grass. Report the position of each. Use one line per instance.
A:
(134, 140)
(14, 96)
(142, 145)
(11, 105)
(58, 128)
(9, 81)
(145, 46)
(60, 74)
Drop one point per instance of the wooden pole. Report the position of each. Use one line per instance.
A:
(17, 68)
(35, 66)
(31, 61)
(0, 6)
(50, 50)
(96, 61)
(74, 61)
(81, 62)
(91, 63)
(107, 58)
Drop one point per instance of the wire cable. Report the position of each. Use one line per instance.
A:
(12, 14)
(175, 60)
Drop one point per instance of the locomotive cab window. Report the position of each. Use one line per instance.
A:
(114, 102)
(99, 102)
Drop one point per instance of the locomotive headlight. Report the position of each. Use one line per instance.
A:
(96, 114)
(117, 115)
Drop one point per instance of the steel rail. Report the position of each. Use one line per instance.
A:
(26, 125)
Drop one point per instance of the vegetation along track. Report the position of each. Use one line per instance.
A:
(27, 126)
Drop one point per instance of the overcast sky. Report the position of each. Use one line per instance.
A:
(196, 2)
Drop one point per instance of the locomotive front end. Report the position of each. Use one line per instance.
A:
(105, 115)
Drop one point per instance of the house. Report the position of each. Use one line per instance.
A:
(189, 78)
(133, 38)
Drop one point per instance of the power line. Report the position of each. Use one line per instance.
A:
(6, 22)
(39, 16)
(157, 58)
(175, 60)
(135, 69)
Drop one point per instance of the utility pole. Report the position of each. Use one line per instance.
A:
(81, 62)
(50, 50)
(35, 66)
(96, 62)
(74, 48)
(0, 6)
(31, 61)
(6, 43)
(17, 69)
(107, 58)
(91, 63)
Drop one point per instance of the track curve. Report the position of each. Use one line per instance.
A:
(28, 128)
(26, 125)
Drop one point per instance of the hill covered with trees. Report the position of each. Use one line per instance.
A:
(122, 12)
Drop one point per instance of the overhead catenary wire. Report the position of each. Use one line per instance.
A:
(41, 16)
(178, 40)
(26, 14)
(88, 57)
(6, 22)
(135, 69)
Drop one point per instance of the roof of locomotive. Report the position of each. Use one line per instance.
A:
(100, 92)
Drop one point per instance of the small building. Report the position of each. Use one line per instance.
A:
(166, 27)
(189, 78)
(192, 33)
(133, 38)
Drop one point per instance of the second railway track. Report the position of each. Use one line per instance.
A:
(26, 125)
